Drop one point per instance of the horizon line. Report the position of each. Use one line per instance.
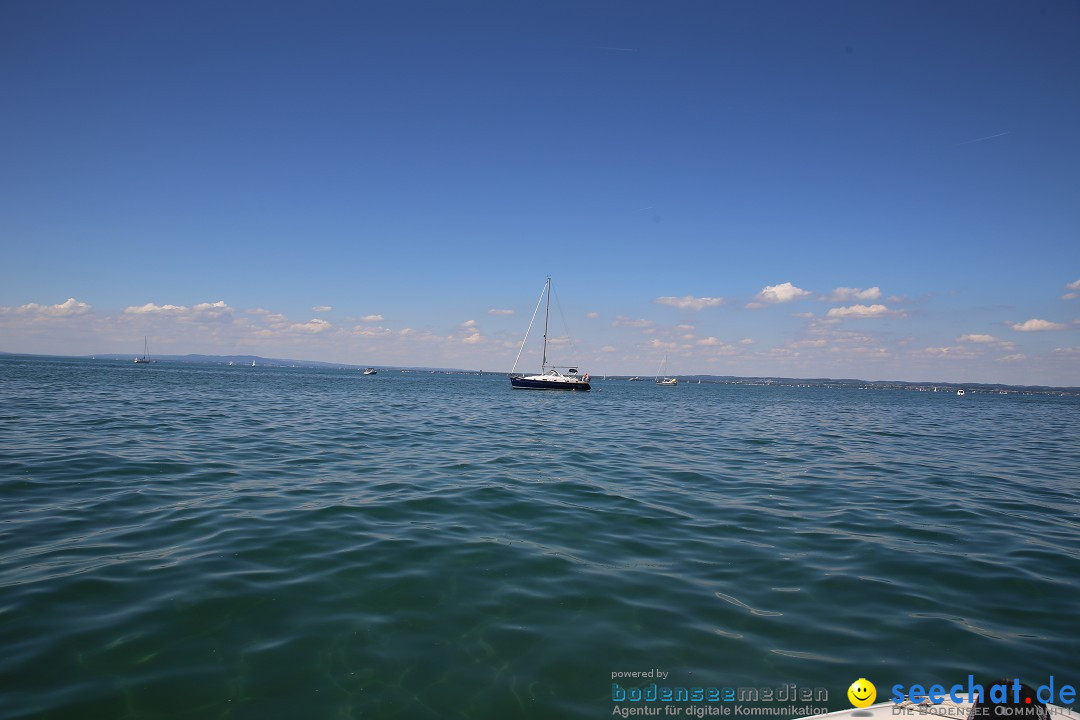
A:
(179, 358)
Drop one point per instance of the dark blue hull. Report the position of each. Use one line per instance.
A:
(521, 383)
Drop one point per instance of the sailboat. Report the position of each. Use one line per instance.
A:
(550, 377)
(666, 381)
(146, 353)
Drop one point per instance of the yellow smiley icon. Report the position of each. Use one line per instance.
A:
(862, 693)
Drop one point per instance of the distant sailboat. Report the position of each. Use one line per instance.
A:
(146, 353)
(549, 378)
(666, 381)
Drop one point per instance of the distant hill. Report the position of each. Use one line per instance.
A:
(924, 386)
(259, 360)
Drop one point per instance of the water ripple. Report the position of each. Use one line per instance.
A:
(195, 541)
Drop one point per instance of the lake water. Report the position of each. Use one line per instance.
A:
(186, 541)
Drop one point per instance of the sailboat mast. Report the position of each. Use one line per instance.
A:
(547, 311)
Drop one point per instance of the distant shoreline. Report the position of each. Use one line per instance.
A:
(836, 383)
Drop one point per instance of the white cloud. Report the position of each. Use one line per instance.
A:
(68, 308)
(607, 349)
(689, 302)
(1013, 358)
(203, 312)
(1035, 324)
(846, 294)
(784, 292)
(849, 337)
(321, 308)
(623, 321)
(473, 339)
(469, 324)
(372, 318)
(950, 352)
(498, 311)
(746, 341)
(32, 313)
(718, 347)
(368, 331)
(315, 325)
(983, 339)
(592, 315)
(858, 311)
(1074, 285)
(152, 309)
(277, 326)
(1070, 296)
(658, 343)
(212, 311)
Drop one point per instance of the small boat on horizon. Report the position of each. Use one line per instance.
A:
(550, 377)
(661, 379)
(370, 371)
(146, 353)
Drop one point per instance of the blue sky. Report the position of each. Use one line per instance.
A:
(822, 189)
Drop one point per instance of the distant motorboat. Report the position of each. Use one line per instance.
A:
(370, 371)
(634, 378)
(960, 391)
